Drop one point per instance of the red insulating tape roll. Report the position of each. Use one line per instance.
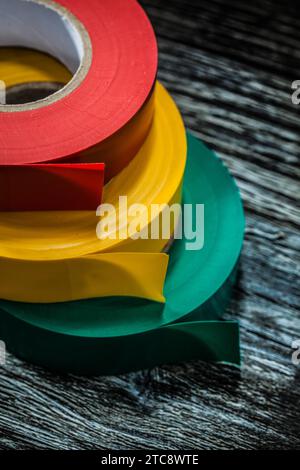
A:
(106, 118)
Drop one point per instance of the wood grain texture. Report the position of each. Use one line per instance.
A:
(229, 64)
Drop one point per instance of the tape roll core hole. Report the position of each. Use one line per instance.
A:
(47, 27)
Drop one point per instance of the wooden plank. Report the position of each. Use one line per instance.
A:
(229, 65)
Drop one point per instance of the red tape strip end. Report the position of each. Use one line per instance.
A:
(51, 187)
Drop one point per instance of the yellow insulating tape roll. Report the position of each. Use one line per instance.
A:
(18, 66)
(56, 256)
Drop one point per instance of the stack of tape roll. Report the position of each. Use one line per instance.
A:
(86, 173)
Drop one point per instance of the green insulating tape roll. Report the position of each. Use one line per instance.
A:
(118, 335)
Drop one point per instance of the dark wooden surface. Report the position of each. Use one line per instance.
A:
(230, 65)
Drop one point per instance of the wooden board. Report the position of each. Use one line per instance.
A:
(230, 65)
